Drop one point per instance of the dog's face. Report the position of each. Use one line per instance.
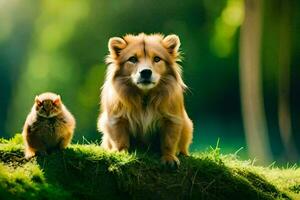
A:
(144, 60)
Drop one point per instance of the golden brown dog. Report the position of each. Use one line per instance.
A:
(143, 94)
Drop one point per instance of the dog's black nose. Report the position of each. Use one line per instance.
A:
(146, 73)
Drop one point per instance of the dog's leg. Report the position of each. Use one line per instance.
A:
(186, 137)
(170, 135)
(106, 143)
(119, 136)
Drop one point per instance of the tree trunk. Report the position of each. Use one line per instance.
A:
(251, 83)
(284, 114)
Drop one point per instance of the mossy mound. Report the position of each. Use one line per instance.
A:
(89, 172)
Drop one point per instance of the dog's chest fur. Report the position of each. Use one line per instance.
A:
(148, 122)
(142, 121)
(145, 120)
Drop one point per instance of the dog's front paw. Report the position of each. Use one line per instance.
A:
(170, 161)
(122, 149)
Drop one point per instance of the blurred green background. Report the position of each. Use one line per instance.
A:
(60, 45)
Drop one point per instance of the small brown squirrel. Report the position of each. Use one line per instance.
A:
(48, 126)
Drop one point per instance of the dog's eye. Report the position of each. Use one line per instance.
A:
(133, 59)
(156, 59)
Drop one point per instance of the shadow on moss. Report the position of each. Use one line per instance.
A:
(142, 177)
(295, 188)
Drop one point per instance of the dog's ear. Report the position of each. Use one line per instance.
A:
(172, 43)
(115, 45)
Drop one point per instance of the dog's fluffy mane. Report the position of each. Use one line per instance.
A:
(125, 100)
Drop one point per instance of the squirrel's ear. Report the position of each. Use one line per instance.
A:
(57, 101)
(38, 101)
(115, 46)
(171, 43)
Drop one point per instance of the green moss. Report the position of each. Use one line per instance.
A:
(26, 182)
(88, 172)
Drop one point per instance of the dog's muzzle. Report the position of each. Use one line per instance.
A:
(145, 77)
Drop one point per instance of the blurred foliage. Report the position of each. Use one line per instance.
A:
(59, 46)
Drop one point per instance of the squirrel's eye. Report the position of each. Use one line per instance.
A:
(156, 59)
(133, 59)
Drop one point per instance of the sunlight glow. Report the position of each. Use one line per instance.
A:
(226, 27)
(6, 15)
